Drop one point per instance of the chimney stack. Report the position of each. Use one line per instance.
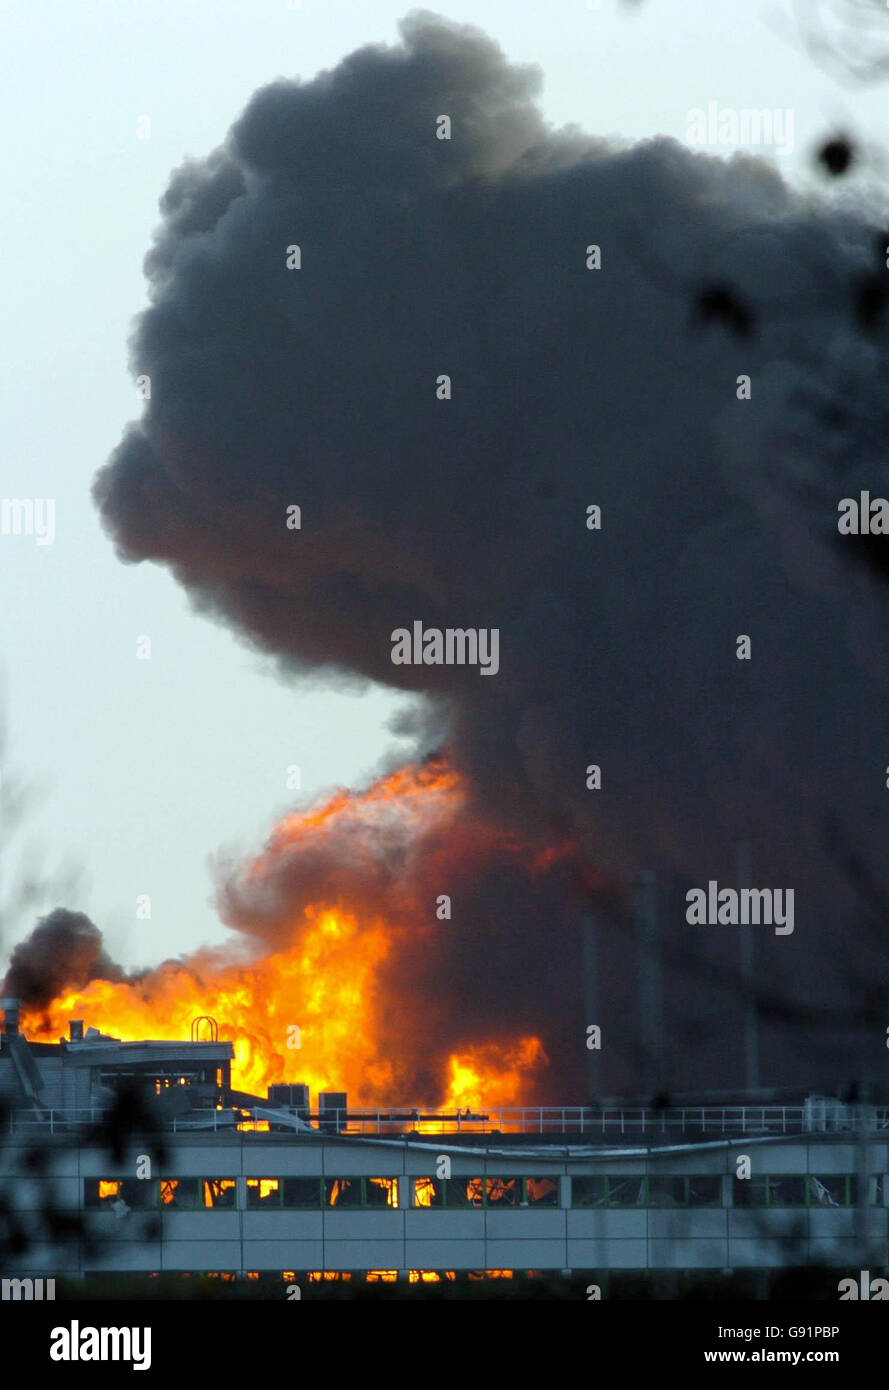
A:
(11, 1009)
(76, 1030)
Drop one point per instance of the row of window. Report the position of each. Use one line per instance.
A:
(786, 1190)
(794, 1191)
(486, 1192)
(189, 1194)
(622, 1191)
(176, 1193)
(309, 1194)
(314, 1194)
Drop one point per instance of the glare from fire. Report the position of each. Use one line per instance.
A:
(313, 1009)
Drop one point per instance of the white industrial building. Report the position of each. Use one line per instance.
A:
(264, 1186)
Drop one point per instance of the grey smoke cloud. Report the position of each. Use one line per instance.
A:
(316, 387)
(63, 951)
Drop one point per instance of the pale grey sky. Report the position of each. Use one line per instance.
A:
(153, 766)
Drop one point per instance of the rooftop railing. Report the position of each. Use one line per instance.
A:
(612, 1122)
(584, 1123)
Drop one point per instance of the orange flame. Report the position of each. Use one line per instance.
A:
(312, 1010)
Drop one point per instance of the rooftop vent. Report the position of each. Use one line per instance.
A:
(11, 1009)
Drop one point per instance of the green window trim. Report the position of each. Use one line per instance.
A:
(642, 1192)
(842, 1186)
(182, 1194)
(190, 1193)
(688, 1191)
(323, 1194)
(616, 1191)
(293, 1193)
(373, 1193)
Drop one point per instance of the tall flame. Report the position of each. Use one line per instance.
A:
(313, 1008)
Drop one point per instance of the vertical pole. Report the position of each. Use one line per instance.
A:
(748, 988)
(591, 1004)
(651, 1014)
(864, 1115)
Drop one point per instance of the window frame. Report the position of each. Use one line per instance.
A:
(363, 1204)
(612, 1182)
(196, 1205)
(523, 1204)
(773, 1180)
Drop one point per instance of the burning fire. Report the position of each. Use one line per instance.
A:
(313, 1008)
(494, 1070)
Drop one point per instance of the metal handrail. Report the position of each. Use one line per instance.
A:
(577, 1120)
(609, 1120)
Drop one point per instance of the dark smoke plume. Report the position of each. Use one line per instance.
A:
(63, 952)
(317, 387)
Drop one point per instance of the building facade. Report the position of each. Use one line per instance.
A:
(234, 1185)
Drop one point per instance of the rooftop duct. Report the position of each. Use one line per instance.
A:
(11, 1009)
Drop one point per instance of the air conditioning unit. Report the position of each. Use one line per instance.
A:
(329, 1103)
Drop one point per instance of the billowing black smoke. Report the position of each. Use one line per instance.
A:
(317, 387)
(63, 952)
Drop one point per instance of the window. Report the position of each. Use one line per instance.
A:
(381, 1192)
(787, 1191)
(839, 1190)
(702, 1191)
(219, 1192)
(427, 1192)
(796, 1190)
(589, 1192)
(542, 1192)
(498, 1192)
(667, 1190)
(360, 1192)
(301, 1194)
(459, 1192)
(342, 1192)
(486, 1192)
(180, 1194)
(627, 1191)
(263, 1192)
(138, 1194)
(750, 1192)
(705, 1190)
(101, 1192)
(195, 1194)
